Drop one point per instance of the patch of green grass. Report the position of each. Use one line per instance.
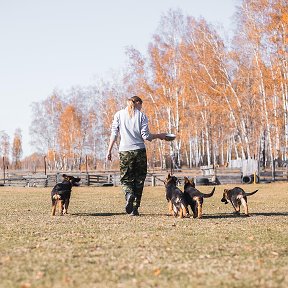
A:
(98, 245)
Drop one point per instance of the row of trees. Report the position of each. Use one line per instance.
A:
(224, 100)
(15, 149)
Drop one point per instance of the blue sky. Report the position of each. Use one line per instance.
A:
(58, 44)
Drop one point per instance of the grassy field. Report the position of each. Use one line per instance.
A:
(98, 245)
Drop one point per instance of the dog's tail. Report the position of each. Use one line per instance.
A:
(250, 193)
(209, 195)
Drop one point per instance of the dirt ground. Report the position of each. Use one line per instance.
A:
(98, 245)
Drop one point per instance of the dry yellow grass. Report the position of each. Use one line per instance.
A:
(98, 245)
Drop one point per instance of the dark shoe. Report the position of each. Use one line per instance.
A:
(129, 203)
(135, 212)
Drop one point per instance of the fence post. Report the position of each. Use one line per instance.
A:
(273, 170)
(114, 180)
(46, 181)
(4, 169)
(153, 180)
(88, 179)
(44, 158)
(57, 177)
(86, 164)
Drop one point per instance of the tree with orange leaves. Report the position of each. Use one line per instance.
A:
(17, 149)
(70, 137)
(262, 27)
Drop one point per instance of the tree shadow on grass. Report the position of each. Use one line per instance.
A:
(103, 214)
(156, 214)
(222, 216)
(242, 215)
(208, 216)
(270, 214)
(107, 214)
(204, 216)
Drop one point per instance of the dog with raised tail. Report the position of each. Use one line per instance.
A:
(194, 197)
(237, 196)
(61, 193)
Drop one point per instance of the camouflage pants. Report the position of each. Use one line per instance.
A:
(133, 170)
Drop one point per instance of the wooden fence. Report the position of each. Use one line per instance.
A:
(41, 180)
(100, 180)
(224, 176)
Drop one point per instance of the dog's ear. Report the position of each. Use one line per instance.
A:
(75, 181)
(166, 179)
(66, 177)
(186, 180)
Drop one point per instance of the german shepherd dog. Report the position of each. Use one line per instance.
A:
(177, 205)
(61, 192)
(237, 196)
(194, 197)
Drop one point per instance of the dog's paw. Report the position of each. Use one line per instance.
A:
(236, 213)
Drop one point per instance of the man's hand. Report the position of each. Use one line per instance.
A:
(162, 136)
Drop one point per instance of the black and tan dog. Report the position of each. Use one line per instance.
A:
(237, 196)
(61, 193)
(177, 205)
(194, 197)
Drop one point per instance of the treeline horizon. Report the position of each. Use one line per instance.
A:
(223, 100)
